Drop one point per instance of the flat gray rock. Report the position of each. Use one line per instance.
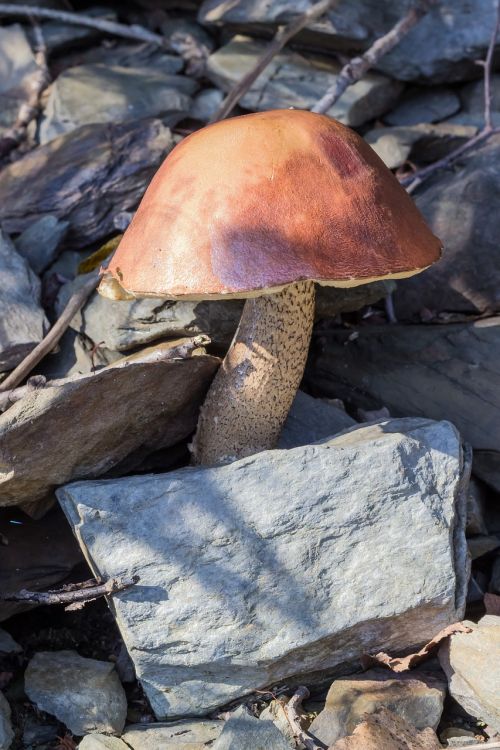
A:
(312, 419)
(85, 425)
(23, 321)
(424, 105)
(6, 730)
(296, 80)
(245, 732)
(40, 242)
(225, 554)
(185, 735)
(85, 694)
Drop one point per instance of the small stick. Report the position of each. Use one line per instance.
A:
(38, 82)
(74, 593)
(108, 27)
(291, 712)
(358, 66)
(75, 302)
(280, 39)
(7, 398)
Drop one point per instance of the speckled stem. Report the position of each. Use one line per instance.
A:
(251, 395)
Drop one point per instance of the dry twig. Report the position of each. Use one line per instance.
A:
(37, 83)
(358, 66)
(73, 594)
(76, 301)
(291, 712)
(76, 19)
(7, 398)
(281, 38)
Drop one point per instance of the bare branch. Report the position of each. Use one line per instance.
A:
(76, 301)
(291, 710)
(281, 38)
(73, 593)
(108, 27)
(358, 66)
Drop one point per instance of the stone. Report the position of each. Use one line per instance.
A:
(102, 742)
(461, 208)
(482, 545)
(61, 37)
(76, 354)
(85, 694)
(127, 409)
(441, 372)
(416, 697)
(242, 731)
(495, 576)
(17, 64)
(471, 662)
(7, 644)
(383, 729)
(190, 41)
(84, 177)
(296, 80)
(40, 242)
(206, 104)
(215, 614)
(131, 94)
(185, 735)
(274, 712)
(312, 419)
(6, 730)
(423, 106)
(456, 736)
(330, 300)
(477, 499)
(472, 96)
(23, 321)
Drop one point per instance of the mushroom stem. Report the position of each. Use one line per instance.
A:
(253, 391)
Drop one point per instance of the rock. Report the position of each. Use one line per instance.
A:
(76, 354)
(131, 94)
(8, 644)
(206, 104)
(441, 47)
(132, 407)
(6, 731)
(424, 105)
(185, 735)
(242, 731)
(471, 662)
(274, 712)
(102, 742)
(17, 64)
(330, 300)
(481, 545)
(476, 508)
(415, 697)
(312, 419)
(40, 242)
(127, 54)
(430, 141)
(456, 736)
(60, 37)
(23, 321)
(38, 554)
(35, 733)
(486, 466)
(383, 729)
(441, 372)
(461, 208)
(190, 41)
(296, 80)
(85, 694)
(495, 576)
(215, 615)
(472, 96)
(84, 177)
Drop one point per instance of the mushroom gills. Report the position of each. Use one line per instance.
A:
(251, 395)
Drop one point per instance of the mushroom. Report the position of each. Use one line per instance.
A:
(261, 207)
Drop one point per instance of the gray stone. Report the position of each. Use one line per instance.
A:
(206, 104)
(296, 80)
(6, 730)
(185, 735)
(59, 37)
(85, 694)
(415, 697)
(472, 96)
(424, 105)
(476, 508)
(76, 354)
(76, 99)
(190, 41)
(482, 545)
(244, 732)
(40, 242)
(224, 555)
(85, 177)
(7, 644)
(312, 419)
(128, 409)
(471, 662)
(495, 576)
(461, 207)
(22, 320)
(17, 64)
(102, 742)
(275, 712)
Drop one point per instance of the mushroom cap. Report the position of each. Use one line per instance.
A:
(250, 204)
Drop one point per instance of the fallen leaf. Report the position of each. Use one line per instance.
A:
(383, 730)
(404, 663)
(492, 604)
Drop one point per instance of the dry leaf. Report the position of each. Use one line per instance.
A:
(404, 663)
(384, 730)
(492, 604)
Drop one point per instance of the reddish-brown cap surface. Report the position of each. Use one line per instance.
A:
(256, 202)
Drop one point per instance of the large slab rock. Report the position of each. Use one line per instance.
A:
(461, 206)
(442, 47)
(225, 554)
(76, 99)
(183, 735)
(22, 319)
(444, 372)
(295, 80)
(85, 425)
(85, 177)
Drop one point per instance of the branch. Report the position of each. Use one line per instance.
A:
(73, 594)
(108, 27)
(358, 66)
(281, 38)
(7, 398)
(291, 712)
(37, 83)
(75, 302)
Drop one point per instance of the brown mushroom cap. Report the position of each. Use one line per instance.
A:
(251, 204)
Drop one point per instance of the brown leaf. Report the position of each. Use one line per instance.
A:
(384, 730)
(492, 604)
(404, 663)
